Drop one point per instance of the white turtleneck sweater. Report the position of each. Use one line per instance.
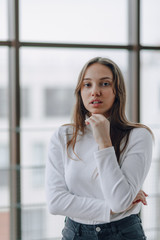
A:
(86, 189)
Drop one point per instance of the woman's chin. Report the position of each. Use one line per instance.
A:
(96, 111)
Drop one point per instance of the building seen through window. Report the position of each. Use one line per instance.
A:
(4, 103)
(58, 102)
(4, 165)
(25, 102)
(33, 223)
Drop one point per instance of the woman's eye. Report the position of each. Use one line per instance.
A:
(105, 84)
(87, 84)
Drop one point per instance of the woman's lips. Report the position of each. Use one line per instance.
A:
(96, 103)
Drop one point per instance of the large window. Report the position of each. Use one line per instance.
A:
(43, 46)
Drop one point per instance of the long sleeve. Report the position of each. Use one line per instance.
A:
(60, 201)
(120, 184)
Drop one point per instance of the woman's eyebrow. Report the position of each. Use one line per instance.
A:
(108, 78)
(86, 79)
(103, 78)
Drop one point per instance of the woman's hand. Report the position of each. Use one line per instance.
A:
(101, 130)
(141, 197)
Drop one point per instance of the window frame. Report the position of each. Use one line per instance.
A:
(14, 44)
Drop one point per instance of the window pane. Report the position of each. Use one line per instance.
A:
(71, 21)
(150, 115)
(3, 88)
(4, 165)
(150, 87)
(38, 224)
(50, 76)
(150, 18)
(34, 146)
(150, 218)
(64, 98)
(32, 182)
(4, 134)
(4, 102)
(4, 224)
(33, 223)
(4, 169)
(3, 20)
(25, 101)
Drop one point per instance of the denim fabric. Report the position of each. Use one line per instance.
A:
(129, 228)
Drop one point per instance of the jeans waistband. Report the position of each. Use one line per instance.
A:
(123, 223)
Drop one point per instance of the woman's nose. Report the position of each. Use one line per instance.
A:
(96, 91)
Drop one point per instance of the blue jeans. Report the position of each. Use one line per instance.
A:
(129, 228)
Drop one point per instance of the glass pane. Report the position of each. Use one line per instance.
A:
(150, 87)
(150, 115)
(32, 184)
(34, 147)
(4, 134)
(38, 224)
(4, 169)
(150, 218)
(72, 21)
(152, 182)
(48, 79)
(3, 20)
(150, 18)
(3, 88)
(55, 225)
(4, 224)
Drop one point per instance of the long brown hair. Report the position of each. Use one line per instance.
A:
(120, 127)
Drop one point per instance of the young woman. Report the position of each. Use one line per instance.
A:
(97, 165)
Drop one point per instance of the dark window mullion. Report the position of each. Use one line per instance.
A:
(14, 120)
(134, 59)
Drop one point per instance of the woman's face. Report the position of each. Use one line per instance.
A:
(97, 89)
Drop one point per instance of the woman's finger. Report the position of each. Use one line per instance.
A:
(141, 197)
(146, 195)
